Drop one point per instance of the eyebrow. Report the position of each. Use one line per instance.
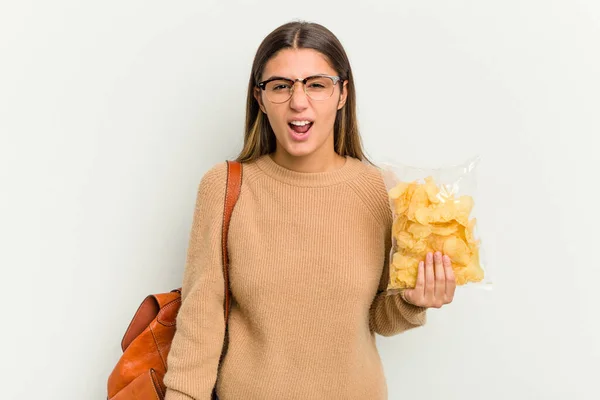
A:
(290, 79)
(276, 77)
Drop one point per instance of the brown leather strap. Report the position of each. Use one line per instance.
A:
(145, 313)
(234, 184)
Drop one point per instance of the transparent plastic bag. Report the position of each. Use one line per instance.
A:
(434, 209)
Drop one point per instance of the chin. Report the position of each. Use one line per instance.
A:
(300, 148)
(299, 151)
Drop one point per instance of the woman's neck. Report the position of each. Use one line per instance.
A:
(314, 162)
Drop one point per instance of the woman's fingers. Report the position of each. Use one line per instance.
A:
(440, 280)
(435, 284)
(420, 286)
(450, 280)
(429, 279)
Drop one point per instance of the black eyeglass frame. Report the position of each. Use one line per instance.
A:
(335, 79)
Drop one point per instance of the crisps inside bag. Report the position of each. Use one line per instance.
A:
(434, 210)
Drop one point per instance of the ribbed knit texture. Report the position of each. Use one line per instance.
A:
(308, 271)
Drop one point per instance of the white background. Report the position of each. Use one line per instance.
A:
(111, 112)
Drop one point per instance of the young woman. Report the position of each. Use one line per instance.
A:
(308, 246)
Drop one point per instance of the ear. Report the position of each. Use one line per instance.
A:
(258, 97)
(343, 95)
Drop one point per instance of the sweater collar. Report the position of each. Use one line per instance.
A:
(348, 171)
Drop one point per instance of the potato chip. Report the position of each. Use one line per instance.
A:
(471, 273)
(398, 191)
(418, 200)
(405, 240)
(399, 224)
(444, 229)
(428, 218)
(463, 207)
(401, 261)
(418, 231)
(406, 278)
(432, 190)
(420, 247)
(469, 232)
(436, 243)
(457, 250)
(444, 212)
(404, 269)
(424, 215)
(401, 206)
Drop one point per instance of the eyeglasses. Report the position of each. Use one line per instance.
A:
(317, 87)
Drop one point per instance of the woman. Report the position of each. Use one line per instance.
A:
(308, 245)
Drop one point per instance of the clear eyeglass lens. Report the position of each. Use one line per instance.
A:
(317, 88)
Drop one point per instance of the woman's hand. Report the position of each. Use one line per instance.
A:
(435, 283)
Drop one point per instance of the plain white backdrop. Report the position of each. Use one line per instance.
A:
(111, 112)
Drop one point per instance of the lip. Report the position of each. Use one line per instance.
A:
(300, 137)
(300, 119)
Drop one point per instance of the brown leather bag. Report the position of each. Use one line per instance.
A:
(139, 373)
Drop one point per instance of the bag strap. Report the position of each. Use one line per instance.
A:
(234, 184)
(232, 192)
(152, 304)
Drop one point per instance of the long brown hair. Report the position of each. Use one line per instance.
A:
(259, 138)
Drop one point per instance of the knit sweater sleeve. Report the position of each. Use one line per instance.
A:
(389, 314)
(193, 359)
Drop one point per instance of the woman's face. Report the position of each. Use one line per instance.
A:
(299, 64)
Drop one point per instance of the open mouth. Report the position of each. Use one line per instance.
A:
(300, 127)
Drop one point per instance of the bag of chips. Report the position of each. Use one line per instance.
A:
(434, 210)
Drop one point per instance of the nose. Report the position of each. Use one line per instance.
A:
(299, 99)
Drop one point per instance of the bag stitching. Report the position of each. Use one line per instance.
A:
(171, 304)
(158, 349)
(154, 383)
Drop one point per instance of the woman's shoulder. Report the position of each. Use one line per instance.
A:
(211, 188)
(215, 178)
(371, 179)
(370, 187)
(215, 175)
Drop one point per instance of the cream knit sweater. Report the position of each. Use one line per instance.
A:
(308, 267)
